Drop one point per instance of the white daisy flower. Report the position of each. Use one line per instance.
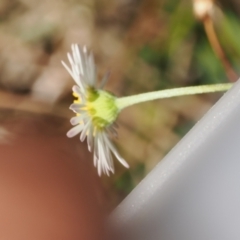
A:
(96, 110)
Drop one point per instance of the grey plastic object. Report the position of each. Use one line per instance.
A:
(194, 192)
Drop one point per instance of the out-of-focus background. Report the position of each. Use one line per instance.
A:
(146, 44)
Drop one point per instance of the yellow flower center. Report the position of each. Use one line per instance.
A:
(101, 107)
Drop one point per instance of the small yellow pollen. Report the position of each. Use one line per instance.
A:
(78, 100)
(75, 94)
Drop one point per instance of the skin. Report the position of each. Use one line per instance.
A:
(47, 182)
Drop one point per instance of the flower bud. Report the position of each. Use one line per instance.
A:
(203, 8)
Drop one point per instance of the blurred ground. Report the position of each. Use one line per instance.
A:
(147, 45)
(44, 181)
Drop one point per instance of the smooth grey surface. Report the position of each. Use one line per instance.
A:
(194, 193)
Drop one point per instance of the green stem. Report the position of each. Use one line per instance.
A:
(175, 92)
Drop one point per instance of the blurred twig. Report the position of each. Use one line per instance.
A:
(203, 10)
(213, 39)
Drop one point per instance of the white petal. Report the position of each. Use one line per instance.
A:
(77, 90)
(74, 131)
(79, 111)
(68, 69)
(75, 70)
(95, 159)
(91, 69)
(90, 139)
(110, 160)
(99, 168)
(77, 119)
(108, 154)
(84, 132)
(73, 74)
(78, 58)
(102, 157)
(104, 154)
(115, 152)
(104, 80)
(76, 106)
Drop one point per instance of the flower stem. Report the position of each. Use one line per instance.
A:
(124, 102)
